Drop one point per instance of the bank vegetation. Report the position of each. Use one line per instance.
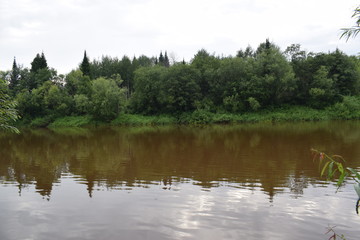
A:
(256, 85)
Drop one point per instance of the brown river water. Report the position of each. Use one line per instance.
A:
(255, 181)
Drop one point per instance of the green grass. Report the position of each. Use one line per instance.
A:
(290, 114)
(72, 121)
(140, 120)
(349, 109)
(40, 122)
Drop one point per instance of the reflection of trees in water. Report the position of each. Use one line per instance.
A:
(272, 156)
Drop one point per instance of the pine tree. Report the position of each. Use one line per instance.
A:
(267, 44)
(161, 59)
(14, 76)
(38, 63)
(85, 66)
(43, 62)
(166, 60)
(39, 72)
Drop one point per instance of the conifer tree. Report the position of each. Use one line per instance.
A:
(14, 76)
(267, 44)
(39, 72)
(38, 63)
(43, 62)
(85, 65)
(166, 60)
(161, 59)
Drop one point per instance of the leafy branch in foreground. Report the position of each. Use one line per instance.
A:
(353, 31)
(334, 166)
(8, 112)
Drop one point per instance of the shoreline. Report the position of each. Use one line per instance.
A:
(198, 117)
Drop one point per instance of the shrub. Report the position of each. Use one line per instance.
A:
(41, 121)
(254, 104)
(201, 117)
(349, 108)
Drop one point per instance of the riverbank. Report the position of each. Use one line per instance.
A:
(283, 114)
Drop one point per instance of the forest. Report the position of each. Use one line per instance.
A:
(294, 84)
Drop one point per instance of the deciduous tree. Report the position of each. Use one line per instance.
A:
(106, 99)
(275, 75)
(148, 84)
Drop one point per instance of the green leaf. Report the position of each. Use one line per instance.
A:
(353, 171)
(341, 179)
(331, 172)
(340, 167)
(324, 168)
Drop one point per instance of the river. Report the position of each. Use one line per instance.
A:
(252, 181)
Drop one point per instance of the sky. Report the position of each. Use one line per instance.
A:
(64, 29)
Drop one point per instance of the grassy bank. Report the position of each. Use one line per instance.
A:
(135, 120)
(293, 114)
(284, 114)
(72, 121)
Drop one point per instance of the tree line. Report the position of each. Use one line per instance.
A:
(253, 79)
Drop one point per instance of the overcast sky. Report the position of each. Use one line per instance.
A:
(63, 29)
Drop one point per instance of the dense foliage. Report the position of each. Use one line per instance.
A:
(254, 80)
(8, 113)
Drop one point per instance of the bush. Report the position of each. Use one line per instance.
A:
(254, 104)
(233, 103)
(349, 108)
(106, 99)
(41, 121)
(223, 118)
(82, 104)
(201, 117)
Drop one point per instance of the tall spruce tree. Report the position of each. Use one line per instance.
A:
(85, 65)
(161, 59)
(166, 60)
(39, 72)
(267, 44)
(14, 77)
(43, 62)
(38, 63)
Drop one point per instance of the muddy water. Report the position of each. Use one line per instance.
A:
(218, 182)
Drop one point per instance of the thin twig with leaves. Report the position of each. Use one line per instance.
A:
(334, 166)
(352, 31)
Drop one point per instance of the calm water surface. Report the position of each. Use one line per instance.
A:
(218, 182)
